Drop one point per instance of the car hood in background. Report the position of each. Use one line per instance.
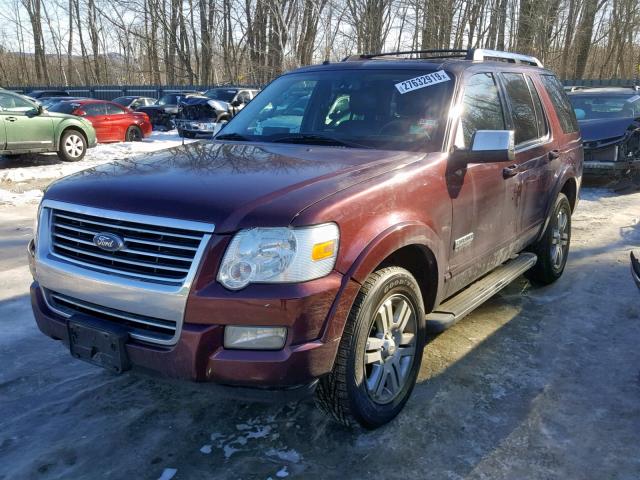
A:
(231, 185)
(604, 128)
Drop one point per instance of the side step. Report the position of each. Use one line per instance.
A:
(464, 302)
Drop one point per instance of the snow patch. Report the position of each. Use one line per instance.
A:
(168, 473)
(11, 198)
(287, 455)
(282, 473)
(206, 449)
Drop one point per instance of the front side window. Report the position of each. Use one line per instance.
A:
(14, 104)
(93, 109)
(561, 103)
(113, 109)
(522, 108)
(384, 109)
(481, 107)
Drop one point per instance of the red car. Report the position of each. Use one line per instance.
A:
(112, 122)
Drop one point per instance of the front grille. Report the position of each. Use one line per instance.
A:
(151, 252)
(139, 326)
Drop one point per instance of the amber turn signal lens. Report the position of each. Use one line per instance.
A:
(323, 250)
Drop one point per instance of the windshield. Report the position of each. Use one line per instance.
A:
(589, 107)
(169, 99)
(124, 101)
(223, 94)
(63, 107)
(383, 109)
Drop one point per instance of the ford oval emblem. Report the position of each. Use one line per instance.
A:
(109, 242)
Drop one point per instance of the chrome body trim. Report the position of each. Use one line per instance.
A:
(147, 297)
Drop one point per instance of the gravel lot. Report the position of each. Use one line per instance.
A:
(537, 383)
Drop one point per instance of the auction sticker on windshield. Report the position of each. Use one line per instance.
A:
(422, 81)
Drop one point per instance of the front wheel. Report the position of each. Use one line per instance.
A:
(72, 146)
(553, 248)
(379, 354)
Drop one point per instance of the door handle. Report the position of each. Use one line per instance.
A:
(510, 171)
(553, 154)
(11, 119)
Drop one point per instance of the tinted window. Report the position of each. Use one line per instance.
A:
(537, 104)
(123, 100)
(93, 109)
(170, 99)
(384, 109)
(113, 109)
(63, 107)
(561, 103)
(224, 94)
(522, 109)
(602, 105)
(481, 107)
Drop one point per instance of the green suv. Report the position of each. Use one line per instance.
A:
(26, 127)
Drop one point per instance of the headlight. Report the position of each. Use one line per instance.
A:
(36, 224)
(279, 255)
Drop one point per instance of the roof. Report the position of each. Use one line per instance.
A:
(605, 90)
(455, 61)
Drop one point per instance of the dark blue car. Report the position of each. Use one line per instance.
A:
(609, 121)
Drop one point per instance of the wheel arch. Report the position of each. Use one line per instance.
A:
(68, 127)
(414, 247)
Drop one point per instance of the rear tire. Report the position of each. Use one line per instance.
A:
(380, 352)
(553, 248)
(73, 146)
(134, 134)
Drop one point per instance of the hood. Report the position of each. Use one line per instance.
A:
(603, 128)
(231, 185)
(159, 109)
(201, 109)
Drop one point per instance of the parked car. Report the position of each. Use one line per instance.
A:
(26, 127)
(635, 269)
(609, 120)
(163, 113)
(50, 102)
(41, 95)
(134, 102)
(315, 259)
(201, 116)
(112, 122)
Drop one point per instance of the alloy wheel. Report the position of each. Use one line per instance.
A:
(559, 239)
(390, 349)
(74, 146)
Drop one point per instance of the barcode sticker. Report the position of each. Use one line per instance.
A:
(422, 81)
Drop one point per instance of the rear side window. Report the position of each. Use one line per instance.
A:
(537, 104)
(481, 106)
(113, 109)
(522, 109)
(564, 110)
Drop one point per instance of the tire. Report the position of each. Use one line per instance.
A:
(361, 387)
(73, 146)
(133, 134)
(553, 248)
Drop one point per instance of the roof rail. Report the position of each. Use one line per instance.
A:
(482, 54)
(474, 54)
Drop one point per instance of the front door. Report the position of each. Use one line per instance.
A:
(484, 195)
(24, 128)
(96, 114)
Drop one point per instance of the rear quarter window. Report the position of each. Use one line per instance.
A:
(561, 103)
(522, 107)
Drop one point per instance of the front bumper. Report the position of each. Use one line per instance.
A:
(199, 354)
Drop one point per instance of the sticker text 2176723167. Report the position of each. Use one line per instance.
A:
(422, 81)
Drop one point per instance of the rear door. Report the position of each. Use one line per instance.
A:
(534, 152)
(24, 129)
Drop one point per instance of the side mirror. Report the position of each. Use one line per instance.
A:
(80, 113)
(488, 146)
(40, 110)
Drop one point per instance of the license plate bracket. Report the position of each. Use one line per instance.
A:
(98, 342)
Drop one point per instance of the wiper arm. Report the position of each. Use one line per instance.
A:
(230, 136)
(311, 138)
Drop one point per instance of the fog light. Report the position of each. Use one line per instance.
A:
(254, 338)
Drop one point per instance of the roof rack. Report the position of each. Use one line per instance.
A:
(474, 54)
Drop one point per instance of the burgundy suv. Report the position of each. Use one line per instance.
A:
(312, 248)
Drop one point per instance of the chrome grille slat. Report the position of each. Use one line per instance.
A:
(126, 250)
(121, 259)
(131, 239)
(151, 252)
(124, 227)
(143, 328)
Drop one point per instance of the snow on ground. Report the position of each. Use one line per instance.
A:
(18, 175)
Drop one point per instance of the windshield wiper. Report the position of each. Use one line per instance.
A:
(314, 139)
(230, 136)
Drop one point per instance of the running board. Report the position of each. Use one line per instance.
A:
(464, 302)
